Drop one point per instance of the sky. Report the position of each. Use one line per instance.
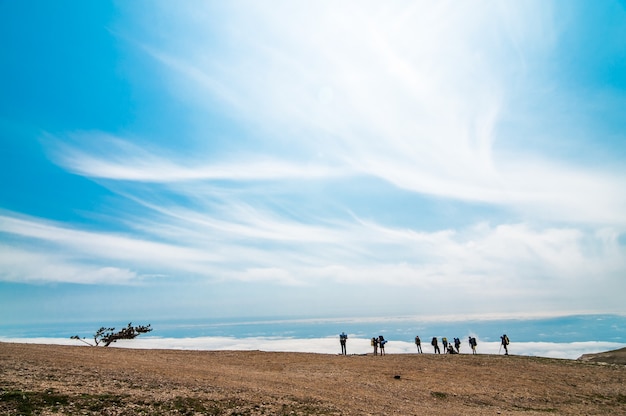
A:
(199, 159)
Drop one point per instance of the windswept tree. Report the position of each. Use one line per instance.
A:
(107, 336)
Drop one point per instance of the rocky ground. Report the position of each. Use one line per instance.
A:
(54, 380)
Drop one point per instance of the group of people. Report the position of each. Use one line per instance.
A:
(455, 348)
(379, 343)
(448, 347)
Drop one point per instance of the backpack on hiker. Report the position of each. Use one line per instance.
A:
(434, 341)
(505, 338)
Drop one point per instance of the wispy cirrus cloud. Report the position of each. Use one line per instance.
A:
(418, 95)
(121, 160)
(32, 265)
(512, 260)
(543, 189)
(407, 145)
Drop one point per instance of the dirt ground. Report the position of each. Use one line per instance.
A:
(54, 380)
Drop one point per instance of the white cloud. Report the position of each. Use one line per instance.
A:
(410, 96)
(571, 350)
(118, 159)
(414, 95)
(508, 261)
(32, 265)
(99, 244)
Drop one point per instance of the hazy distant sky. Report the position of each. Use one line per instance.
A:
(311, 158)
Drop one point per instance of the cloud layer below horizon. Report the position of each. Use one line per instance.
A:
(572, 350)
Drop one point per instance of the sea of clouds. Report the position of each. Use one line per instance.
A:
(329, 345)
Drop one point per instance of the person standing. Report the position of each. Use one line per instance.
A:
(505, 343)
(473, 343)
(375, 345)
(418, 343)
(343, 337)
(382, 341)
(435, 344)
(444, 341)
(457, 344)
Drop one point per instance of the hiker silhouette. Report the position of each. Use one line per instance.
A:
(381, 342)
(342, 340)
(473, 343)
(375, 345)
(418, 343)
(505, 343)
(435, 344)
(457, 344)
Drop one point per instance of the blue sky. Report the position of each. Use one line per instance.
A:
(201, 159)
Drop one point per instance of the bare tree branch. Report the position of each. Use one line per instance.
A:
(107, 336)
